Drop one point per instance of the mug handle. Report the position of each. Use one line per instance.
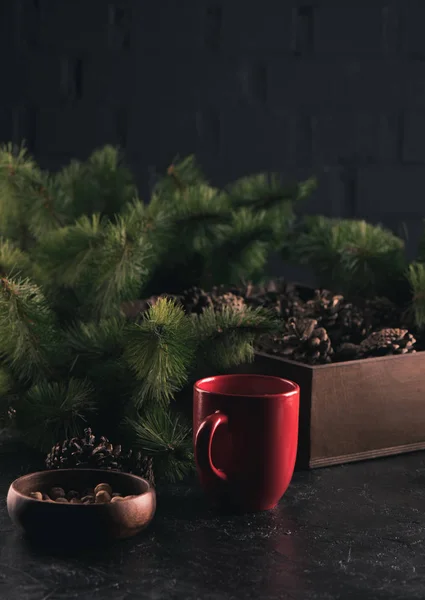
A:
(203, 444)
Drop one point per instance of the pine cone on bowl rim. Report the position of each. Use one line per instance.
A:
(89, 453)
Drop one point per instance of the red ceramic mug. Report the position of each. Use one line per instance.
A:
(245, 430)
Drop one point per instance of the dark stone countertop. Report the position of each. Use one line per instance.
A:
(354, 531)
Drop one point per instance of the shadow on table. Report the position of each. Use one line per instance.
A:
(179, 509)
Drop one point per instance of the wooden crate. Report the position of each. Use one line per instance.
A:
(355, 410)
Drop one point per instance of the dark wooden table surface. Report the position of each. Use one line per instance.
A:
(354, 531)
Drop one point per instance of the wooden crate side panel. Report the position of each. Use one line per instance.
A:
(367, 408)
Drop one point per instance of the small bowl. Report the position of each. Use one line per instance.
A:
(91, 523)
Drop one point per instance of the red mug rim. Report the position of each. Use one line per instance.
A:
(292, 392)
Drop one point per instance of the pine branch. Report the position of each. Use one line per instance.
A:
(187, 234)
(350, 255)
(119, 269)
(154, 226)
(32, 202)
(104, 262)
(416, 279)
(6, 386)
(72, 181)
(5, 382)
(13, 262)
(51, 411)
(180, 175)
(160, 350)
(69, 253)
(240, 250)
(97, 339)
(102, 184)
(192, 216)
(16, 167)
(165, 437)
(198, 212)
(421, 248)
(45, 203)
(30, 342)
(226, 338)
(260, 192)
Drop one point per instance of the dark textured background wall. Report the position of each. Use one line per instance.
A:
(331, 87)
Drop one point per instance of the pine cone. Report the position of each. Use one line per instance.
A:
(88, 453)
(135, 462)
(381, 312)
(324, 307)
(195, 300)
(228, 300)
(302, 341)
(277, 297)
(388, 341)
(344, 322)
(82, 452)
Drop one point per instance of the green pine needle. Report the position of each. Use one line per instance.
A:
(164, 436)
(239, 251)
(13, 262)
(6, 386)
(192, 219)
(197, 212)
(180, 175)
(103, 338)
(351, 255)
(120, 268)
(44, 203)
(102, 184)
(70, 252)
(226, 338)
(5, 382)
(416, 279)
(29, 342)
(271, 202)
(16, 169)
(160, 350)
(52, 411)
(264, 192)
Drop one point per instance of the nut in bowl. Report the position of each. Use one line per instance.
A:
(81, 504)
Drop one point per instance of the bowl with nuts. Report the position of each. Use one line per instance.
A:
(86, 504)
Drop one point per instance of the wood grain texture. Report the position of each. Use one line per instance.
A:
(355, 410)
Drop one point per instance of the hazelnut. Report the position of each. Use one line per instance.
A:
(57, 492)
(72, 494)
(36, 495)
(117, 499)
(87, 499)
(61, 500)
(105, 487)
(102, 496)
